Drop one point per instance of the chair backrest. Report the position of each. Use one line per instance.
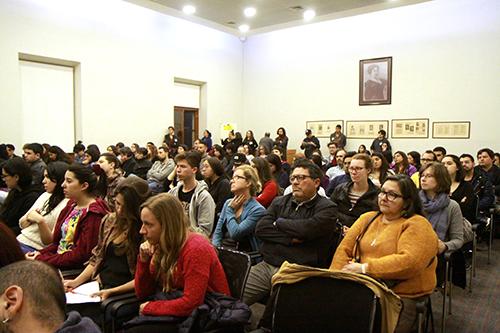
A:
(324, 304)
(237, 267)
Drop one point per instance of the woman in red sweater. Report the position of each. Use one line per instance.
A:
(77, 228)
(174, 258)
(270, 187)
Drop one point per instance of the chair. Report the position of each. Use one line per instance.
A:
(319, 304)
(121, 308)
(236, 265)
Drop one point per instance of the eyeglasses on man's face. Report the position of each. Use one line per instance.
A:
(298, 178)
(236, 177)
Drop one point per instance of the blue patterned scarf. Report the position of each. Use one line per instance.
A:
(436, 211)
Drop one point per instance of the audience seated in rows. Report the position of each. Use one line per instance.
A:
(38, 223)
(113, 260)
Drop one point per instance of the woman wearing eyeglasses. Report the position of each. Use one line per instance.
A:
(389, 245)
(442, 212)
(357, 196)
(239, 216)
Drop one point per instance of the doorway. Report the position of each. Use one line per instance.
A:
(186, 124)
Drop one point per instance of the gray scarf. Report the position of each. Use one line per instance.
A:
(436, 211)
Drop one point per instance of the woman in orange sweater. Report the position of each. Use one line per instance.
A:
(396, 244)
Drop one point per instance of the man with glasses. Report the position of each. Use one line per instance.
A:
(298, 228)
(427, 157)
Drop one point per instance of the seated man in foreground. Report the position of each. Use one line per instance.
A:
(298, 228)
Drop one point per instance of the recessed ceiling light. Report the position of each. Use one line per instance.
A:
(250, 12)
(309, 14)
(188, 9)
(244, 28)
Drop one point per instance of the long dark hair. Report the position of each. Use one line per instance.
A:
(18, 167)
(85, 175)
(263, 169)
(60, 154)
(416, 158)
(384, 168)
(401, 167)
(134, 191)
(55, 172)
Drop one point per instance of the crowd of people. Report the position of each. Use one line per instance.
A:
(148, 219)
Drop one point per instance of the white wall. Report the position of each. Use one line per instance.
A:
(446, 62)
(128, 56)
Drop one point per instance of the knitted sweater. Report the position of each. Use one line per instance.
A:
(31, 234)
(198, 271)
(402, 250)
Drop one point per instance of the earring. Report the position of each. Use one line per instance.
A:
(5, 321)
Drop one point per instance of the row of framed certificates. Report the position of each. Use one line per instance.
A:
(400, 128)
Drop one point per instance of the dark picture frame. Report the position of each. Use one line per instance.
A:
(375, 81)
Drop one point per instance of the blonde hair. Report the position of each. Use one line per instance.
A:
(169, 212)
(252, 177)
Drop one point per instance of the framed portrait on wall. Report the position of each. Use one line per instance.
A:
(365, 129)
(451, 130)
(410, 128)
(323, 128)
(375, 81)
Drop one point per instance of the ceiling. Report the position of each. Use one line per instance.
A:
(227, 15)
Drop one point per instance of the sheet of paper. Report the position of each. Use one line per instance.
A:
(82, 294)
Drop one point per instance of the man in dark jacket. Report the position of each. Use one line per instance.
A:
(128, 161)
(309, 144)
(479, 181)
(486, 159)
(298, 228)
(36, 302)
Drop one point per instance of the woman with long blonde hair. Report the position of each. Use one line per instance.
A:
(174, 257)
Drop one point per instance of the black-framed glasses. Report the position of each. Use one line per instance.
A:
(236, 177)
(298, 178)
(391, 196)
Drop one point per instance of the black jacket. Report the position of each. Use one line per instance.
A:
(302, 234)
(128, 166)
(493, 175)
(220, 191)
(483, 189)
(16, 204)
(346, 213)
(142, 167)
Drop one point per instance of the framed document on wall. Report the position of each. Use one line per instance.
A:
(365, 129)
(451, 130)
(323, 128)
(410, 128)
